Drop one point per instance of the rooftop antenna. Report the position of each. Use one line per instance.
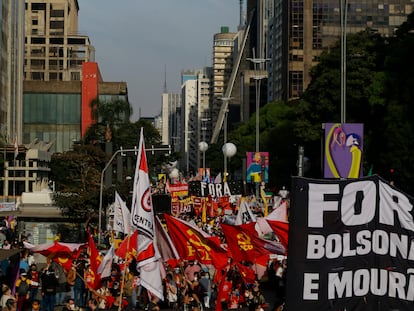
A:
(165, 79)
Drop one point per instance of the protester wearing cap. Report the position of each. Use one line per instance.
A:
(23, 285)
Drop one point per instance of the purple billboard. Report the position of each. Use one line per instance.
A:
(343, 150)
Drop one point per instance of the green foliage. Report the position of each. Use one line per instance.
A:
(77, 179)
(380, 93)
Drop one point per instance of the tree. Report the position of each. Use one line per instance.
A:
(112, 114)
(77, 180)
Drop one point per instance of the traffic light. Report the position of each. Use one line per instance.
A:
(392, 176)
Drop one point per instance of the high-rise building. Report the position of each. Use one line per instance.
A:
(223, 59)
(11, 69)
(170, 119)
(244, 92)
(61, 77)
(302, 29)
(195, 115)
(54, 50)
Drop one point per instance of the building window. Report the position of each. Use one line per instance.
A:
(57, 24)
(75, 76)
(57, 13)
(38, 76)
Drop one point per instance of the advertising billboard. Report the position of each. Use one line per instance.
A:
(343, 150)
(257, 167)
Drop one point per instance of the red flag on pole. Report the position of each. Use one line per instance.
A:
(95, 260)
(194, 244)
(245, 244)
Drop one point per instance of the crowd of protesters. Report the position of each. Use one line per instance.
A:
(188, 285)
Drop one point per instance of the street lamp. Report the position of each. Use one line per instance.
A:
(257, 79)
(203, 146)
(229, 150)
(344, 16)
(226, 101)
(102, 183)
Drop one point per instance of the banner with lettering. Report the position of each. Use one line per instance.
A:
(351, 246)
(204, 189)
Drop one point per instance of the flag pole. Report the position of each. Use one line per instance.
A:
(125, 271)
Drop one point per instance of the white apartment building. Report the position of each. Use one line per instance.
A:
(196, 90)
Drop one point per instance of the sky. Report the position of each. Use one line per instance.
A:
(142, 42)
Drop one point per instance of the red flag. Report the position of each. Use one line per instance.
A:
(192, 243)
(128, 247)
(224, 289)
(164, 243)
(95, 261)
(248, 275)
(281, 229)
(245, 244)
(59, 252)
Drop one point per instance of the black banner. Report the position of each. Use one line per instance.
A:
(351, 246)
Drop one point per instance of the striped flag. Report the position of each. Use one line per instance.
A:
(142, 214)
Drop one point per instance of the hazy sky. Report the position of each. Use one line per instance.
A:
(136, 40)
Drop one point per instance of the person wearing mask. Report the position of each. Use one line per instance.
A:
(49, 284)
(70, 305)
(195, 290)
(205, 284)
(35, 280)
(61, 288)
(191, 269)
(23, 291)
(171, 291)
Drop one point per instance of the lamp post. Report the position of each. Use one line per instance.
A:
(102, 177)
(257, 82)
(344, 16)
(229, 150)
(203, 146)
(226, 101)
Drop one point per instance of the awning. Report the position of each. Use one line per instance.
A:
(6, 253)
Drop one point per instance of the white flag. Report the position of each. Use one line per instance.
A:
(122, 216)
(279, 213)
(105, 267)
(142, 216)
(245, 214)
(142, 212)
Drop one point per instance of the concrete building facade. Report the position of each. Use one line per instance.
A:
(195, 113)
(54, 50)
(11, 69)
(170, 119)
